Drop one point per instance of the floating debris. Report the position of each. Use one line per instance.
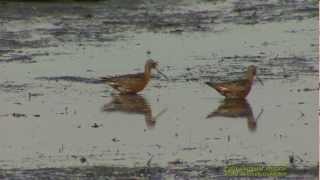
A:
(95, 125)
(18, 115)
(89, 16)
(189, 148)
(291, 159)
(301, 115)
(115, 140)
(72, 79)
(30, 95)
(83, 160)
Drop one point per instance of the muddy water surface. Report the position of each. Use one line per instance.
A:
(56, 114)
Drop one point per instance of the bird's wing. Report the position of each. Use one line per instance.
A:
(123, 83)
(122, 77)
(227, 86)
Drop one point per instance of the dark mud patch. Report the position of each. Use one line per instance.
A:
(9, 86)
(17, 58)
(15, 115)
(19, 115)
(15, 41)
(102, 172)
(55, 23)
(304, 90)
(72, 79)
(95, 125)
(81, 79)
(253, 12)
(5, 51)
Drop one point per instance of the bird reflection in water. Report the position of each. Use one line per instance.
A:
(237, 108)
(133, 104)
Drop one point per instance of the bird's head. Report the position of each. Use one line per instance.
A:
(252, 70)
(252, 73)
(152, 64)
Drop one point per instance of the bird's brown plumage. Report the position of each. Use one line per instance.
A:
(131, 83)
(237, 89)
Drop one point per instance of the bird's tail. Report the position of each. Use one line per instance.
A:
(105, 79)
(213, 114)
(211, 84)
(218, 87)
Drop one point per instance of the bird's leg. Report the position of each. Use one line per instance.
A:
(159, 114)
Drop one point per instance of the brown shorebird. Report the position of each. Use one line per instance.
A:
(236, 108)
(132, 104)
(237, 89)
(133, 83)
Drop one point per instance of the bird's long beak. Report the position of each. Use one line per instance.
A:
(159, 114)
(260, 80)
(162, 74)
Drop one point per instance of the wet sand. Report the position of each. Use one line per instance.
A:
(58, 119)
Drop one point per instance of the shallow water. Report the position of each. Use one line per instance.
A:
(56, 114)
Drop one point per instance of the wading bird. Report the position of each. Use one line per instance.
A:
(133, 83)
(238, 89)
